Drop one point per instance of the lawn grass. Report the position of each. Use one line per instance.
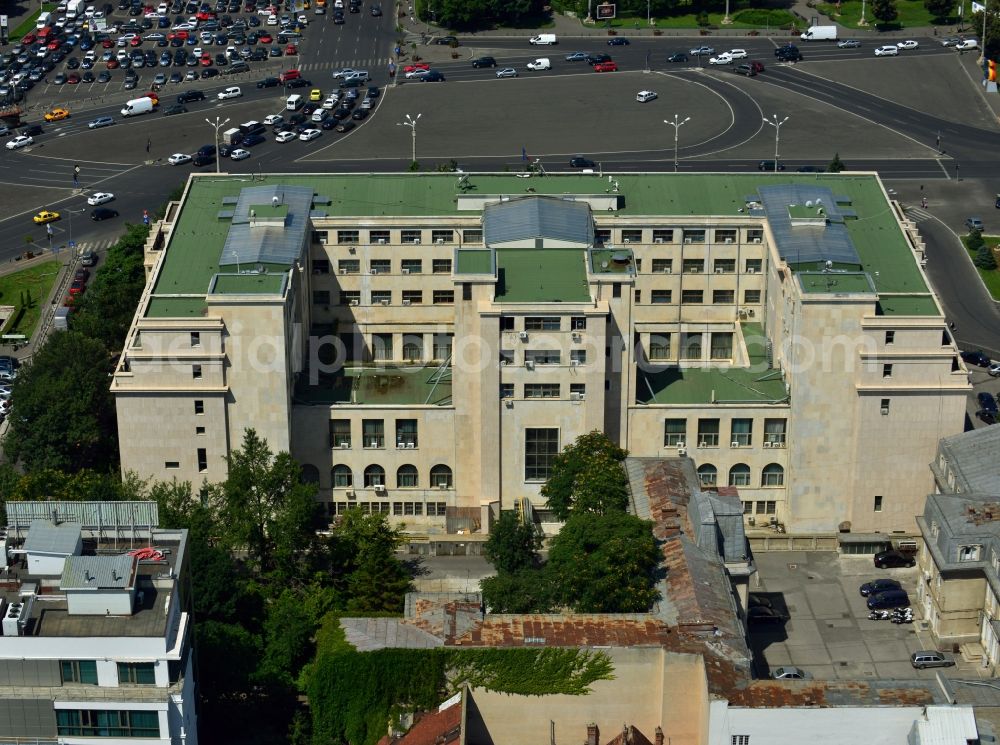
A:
(911, 13)
(27, 290)
(781, 20)
(28, 24)
(991, 277)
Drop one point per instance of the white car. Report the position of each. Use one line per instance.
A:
(331, 102)
(303, 21)
(908, 44)
(101, 197)
(178, 159)
(231, 92)
(890, 51)
(737, 53)
(272, 20)
(349, 73)
(310, 134)
(644, 96)
(416, 74)
(285, 136)
(20, 141)
(967, 44)
(183, 27)
(271, 119)
(722, 59)
(239, 154)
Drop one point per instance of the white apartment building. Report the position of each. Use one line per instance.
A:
(424, 344)
(96, 629)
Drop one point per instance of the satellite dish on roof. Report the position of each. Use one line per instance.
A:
(809, 203)
(829, 264)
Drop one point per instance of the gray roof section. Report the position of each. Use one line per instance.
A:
(538, 217)
(253, 242)
(46, 538)
(370, 634)
(802, 244)
(98, 573)
(972, 457)
(91, 515)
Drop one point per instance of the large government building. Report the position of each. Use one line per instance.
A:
(425, 344)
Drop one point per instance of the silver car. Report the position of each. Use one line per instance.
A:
(507, 72)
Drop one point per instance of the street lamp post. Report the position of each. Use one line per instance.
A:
(412, 124)
(217, 125)
(777, 133)
(677, 127)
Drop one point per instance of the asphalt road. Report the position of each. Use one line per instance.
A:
(833, 101)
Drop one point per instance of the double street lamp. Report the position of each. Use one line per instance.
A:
(677, 126)
(217, 125)
(412, 124)
(777, 132)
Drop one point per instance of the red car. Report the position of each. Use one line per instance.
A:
(77, 288)
(112, 64)
(206, 59)
(289, 75)
(53, 45)
(136, 41)
(107, 44)
(204, 15)
(265, 39)
(28, 39)
(606, 67)
(291, 49)
(72, 79)
(417, 66)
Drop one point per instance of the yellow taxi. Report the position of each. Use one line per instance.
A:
(57, 114)
(45, 216)
(315, 95)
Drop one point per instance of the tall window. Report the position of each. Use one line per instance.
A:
(774, 433)
(340, 433)
(441, 478)
(202, 454)
(373, 433)
(342, 477)
(107, 723)
(673, 432)
(381, 347)
(413, 348)
(772, 475)
(541, 446)
(708, 433)
(742, 432)
(406, 433)
(691, 346)
(79, 671)
(722, 346)
(442, 346)
(708, 474)
(739, 475)
(136, 673)
(659, 346)
(406, 477)
(374, 476)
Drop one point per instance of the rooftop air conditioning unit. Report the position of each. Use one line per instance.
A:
(885, 411)
(373, 271)
(343, 270)
(576, 396)
(508, 403)
(703, 444)
(734, 444)
(406, 302)
(411, 445)
(355, 302)
(626, 241)
(384, 302)
(351, 494)
(504, 363)
(743, 314)
(657, 240)
(667, 270)
(380, 489)
(442, 486)
(529, 364)
(522, 335)
(688, 240)
(768, 444)
(416, 241)
(576, 336)
(574, 363)
(439, 240)
(373, 443)
(381, 241)
(681, 452)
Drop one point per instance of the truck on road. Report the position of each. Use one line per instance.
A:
(139, 106)
(820, 33)
(546, 39)
(73, 9)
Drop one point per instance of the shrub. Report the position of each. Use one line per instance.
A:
(702, 19)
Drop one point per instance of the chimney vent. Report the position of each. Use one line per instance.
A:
(658, 739)
(55, 517)
(593, 734)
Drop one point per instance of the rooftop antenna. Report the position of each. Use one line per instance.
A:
(237, 257)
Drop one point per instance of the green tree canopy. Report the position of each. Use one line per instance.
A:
(940, 9)
(605, 563)
(524, 591)
(363, 561)
(588, 477)
(884, 11)
(64, 417)
(836, 165)
(985, 258)
(513, 545)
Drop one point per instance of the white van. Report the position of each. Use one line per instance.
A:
(542, 63)
(43, 20)
(294, 102)
(544, 39)
(138, 106)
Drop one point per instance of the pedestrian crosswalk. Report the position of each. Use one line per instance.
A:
(918, 214)
(369, 63)
(83, 246)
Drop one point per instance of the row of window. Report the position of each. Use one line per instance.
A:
(107, 723)
(84, 672)
(407, 476)
(373, 433)
(773, 474)
(670, 235)
(384, 297)
(697, 297)
(404, 235)
(543, 323)
(200, 453)
(691, 345)
(382, 266)
(698, 265)
(675, 433)
(398, 509)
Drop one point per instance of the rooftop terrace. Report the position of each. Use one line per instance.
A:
(541, 275)
(415, 385)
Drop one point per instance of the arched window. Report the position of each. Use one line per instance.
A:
(310, 474)
(342, 477)
(406, 477)
(708, 474)
(441, 476)
(772, 475)
(413, 348)
(739, 475)
(374, 476)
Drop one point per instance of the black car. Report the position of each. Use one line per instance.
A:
(433, 77)
(32, 130)
(296, 119)
(618, 41)
(251, 140)
(987, 407)
(342, 112)
(373, 92)
(206, 150)
(878, 585)
(581, 162)
(268, 83)
(338, 17)
(175, 109)
(768, 165)
(893, 559)
(298, 83)
(976, 358)
(811, 169)
(189, 96)
(359, 114)
(789, 55)
(208, 72)
(594, 59)
(329, 123)
(446, 40)
(376, 11)
(677, 57)
(484, 62)
(203, 160)
(762, 614)
(785, 49)
(88, 77)
(345, 126)
(103, 213)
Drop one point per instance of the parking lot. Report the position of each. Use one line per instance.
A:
(828, 633)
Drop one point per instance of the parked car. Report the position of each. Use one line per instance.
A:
(790, 672)
(893, 559)
(888, 599)
(974, 224)
(878, 585)
(768, 165)
(987, 407)
(930, 658)
(976, 358)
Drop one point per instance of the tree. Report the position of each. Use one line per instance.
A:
(974, 240)
(65, 416)
(265, 507)
(525, 591)
(884, 11)
(836, 165)
(604, 563)
(587, 477)
(985, 258)
(940, 9)
(364, 566)
(513, 544)
(289, 628)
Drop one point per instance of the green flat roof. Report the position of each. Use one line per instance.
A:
(176, 307)
(834, 282)
(906, 305)
(602, 261)
(415, 385)
(198, 236)
(248, 284)
(478, 261)
(541, 275)
(702, 385)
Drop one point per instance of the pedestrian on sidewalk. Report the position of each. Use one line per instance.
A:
(923, 202)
